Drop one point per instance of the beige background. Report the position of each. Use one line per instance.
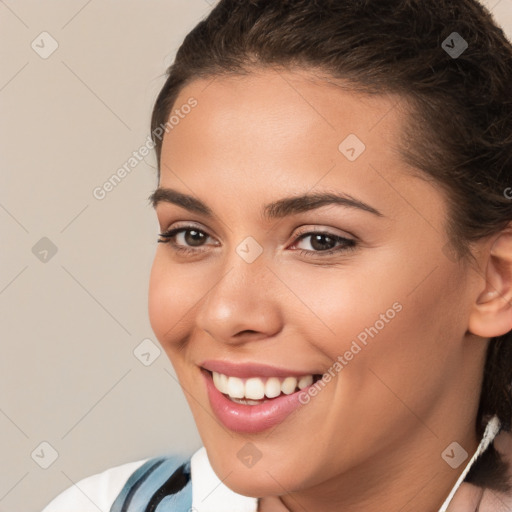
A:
(71, 321)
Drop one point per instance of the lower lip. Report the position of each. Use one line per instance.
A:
(250, 418)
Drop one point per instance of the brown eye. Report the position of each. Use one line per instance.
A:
(324, 243)
(191, 237)
(194, 237)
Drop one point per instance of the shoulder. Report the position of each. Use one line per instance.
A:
(126, 487)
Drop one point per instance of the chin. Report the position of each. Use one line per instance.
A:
(267, 477)
(256, 483)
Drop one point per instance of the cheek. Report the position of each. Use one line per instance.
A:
(171, 297)
(335, 306)
(414, 354)
(397, 319)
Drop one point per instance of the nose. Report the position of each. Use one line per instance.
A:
(243, 305)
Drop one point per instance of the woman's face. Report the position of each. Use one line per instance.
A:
(263, 298)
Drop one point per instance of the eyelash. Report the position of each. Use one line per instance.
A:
(349, 244)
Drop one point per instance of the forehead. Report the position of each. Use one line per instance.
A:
(271, 131)
(269, 102)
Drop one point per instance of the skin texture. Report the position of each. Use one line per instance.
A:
(372, 439)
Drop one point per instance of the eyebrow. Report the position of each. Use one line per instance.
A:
(275, 210)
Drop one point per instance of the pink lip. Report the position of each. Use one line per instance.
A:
(250, 418)
(246, 370)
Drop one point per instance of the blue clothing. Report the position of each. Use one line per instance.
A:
(161, 484)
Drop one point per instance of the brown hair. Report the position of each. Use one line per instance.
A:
(458, 131)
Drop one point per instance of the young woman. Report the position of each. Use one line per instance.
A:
(334, 280)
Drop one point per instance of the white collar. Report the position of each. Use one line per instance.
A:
(209, 494)
(491, 430)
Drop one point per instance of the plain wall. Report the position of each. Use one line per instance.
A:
(71, 321)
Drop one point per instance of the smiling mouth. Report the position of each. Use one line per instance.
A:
(258, 390)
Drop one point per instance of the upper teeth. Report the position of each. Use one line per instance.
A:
(256, 388)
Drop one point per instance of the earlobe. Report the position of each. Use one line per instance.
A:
(492, 311)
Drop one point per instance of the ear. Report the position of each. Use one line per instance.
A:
(492, 311)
